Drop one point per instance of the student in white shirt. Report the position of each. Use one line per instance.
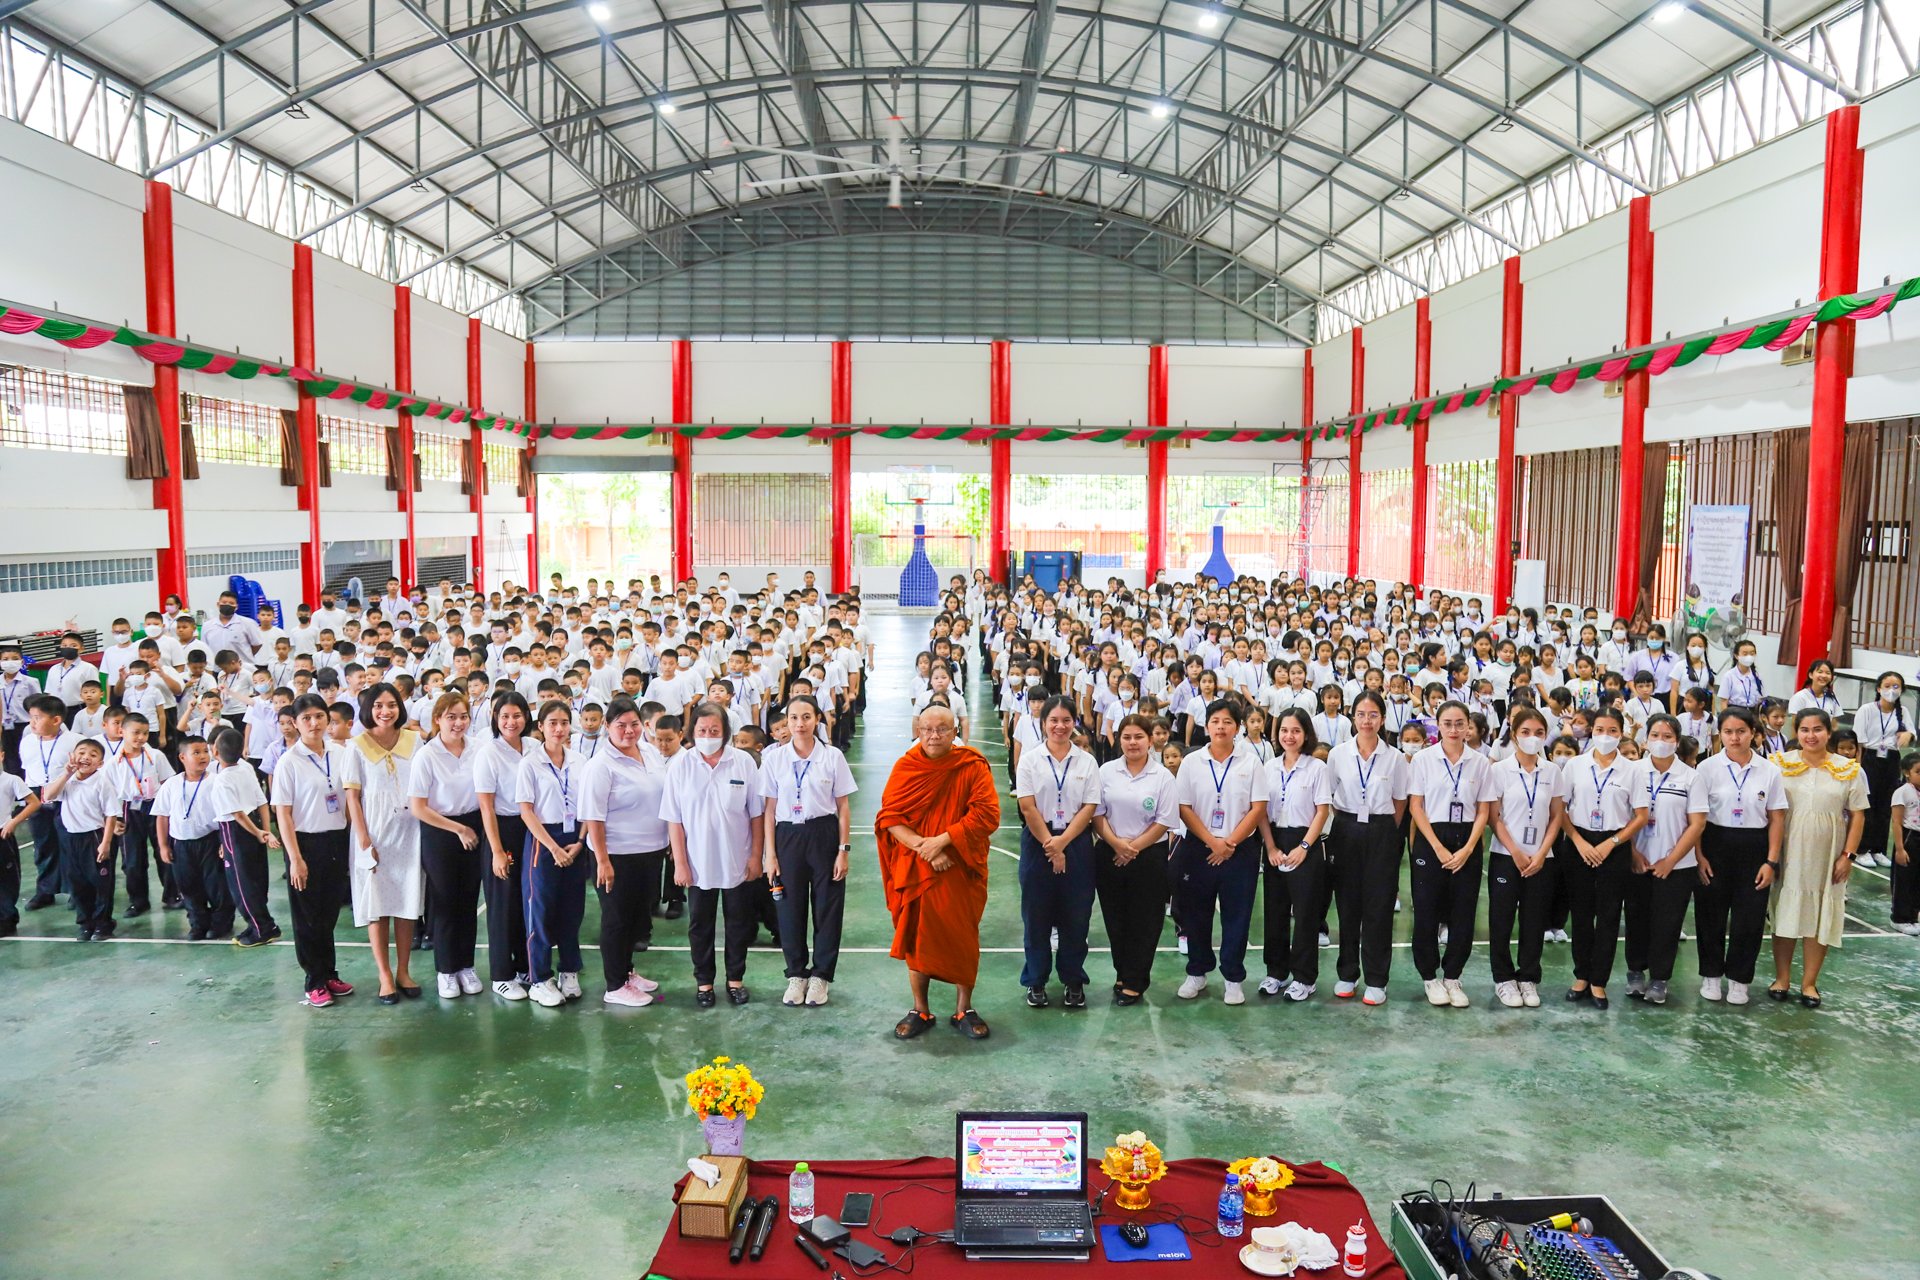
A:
(1739, 856)
(1139, 804)
(17, 804)
(1057, 786)
(620, 808)
(453, 855)
(1366, 782)
(245, 836)
(1665, 858)
(713, 808)
(1444, 789)
(1298, 815)
(68, 673)
(1522, 792)
(496, 774)
(135, 774)
(548, 790)
(1886, 732)
(388, 887)
(310, 813)
(1602, 816)
(87, 826)
(44, 751)
(187, 829)
(1905, 872)
(1223, 808)
(807, 784)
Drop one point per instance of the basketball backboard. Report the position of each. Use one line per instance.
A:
(929, 484)
(1221, 490)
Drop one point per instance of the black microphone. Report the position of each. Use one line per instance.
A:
(810, 1249)
(737, 1243)
(762, 1226)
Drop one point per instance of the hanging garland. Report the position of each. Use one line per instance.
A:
(968, 434)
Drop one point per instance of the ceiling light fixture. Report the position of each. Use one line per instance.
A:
(418, 184)
(1209, 19)
(1099, 222)
(706, 171)
(600, 12)
(915, 150)
(1669, 11)
(665, 107)
(1160, 110)
(739, 217)
(917, 202)
(298, 111)
(1503, 124)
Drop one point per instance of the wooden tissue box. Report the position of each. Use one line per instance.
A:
(707, 1213)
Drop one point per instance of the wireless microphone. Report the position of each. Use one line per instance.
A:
(762, 1226)
(737, 1242)
(810, 1249)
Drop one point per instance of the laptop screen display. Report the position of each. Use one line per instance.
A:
(1030, 1155)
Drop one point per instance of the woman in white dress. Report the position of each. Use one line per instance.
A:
(1826, 818)
(389, 891)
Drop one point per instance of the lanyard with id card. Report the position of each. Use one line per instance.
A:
(1217, 819)
(1456, 811)
(1600, 781)
(1060, 777)
(799, 780)
(1530, 834)
(326, 769)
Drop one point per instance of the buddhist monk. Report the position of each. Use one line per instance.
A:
(937, 813)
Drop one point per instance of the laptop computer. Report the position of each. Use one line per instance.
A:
(1022, 1185)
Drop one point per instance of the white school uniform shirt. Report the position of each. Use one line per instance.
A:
(242, 635)
(1638, 711)
(189, 814)
(313, 784)
(626, 794)
(13, 794)
(1614, 654)
(552, 789)
(65, 678)
(236, 791)
(1807, 699)
(1589, 787)
(1905, 795)
(14, 692)
(715, 806)
(1525, 800)
(137, 779)
(1385, 776)
(1294, 794)
(1879, 730)
(1741, 688)
(1670, 797)
(496, 771)
(86, 803)
(1449, 790)
(1700, 729)
(444, 780)
(42, 759)
(801, 790)
(1332, 729)
(672, 692)
(1755, 789)
(1059, 788)
(89, 724)
(114, 659)
(1132, 802)
(1221, 792)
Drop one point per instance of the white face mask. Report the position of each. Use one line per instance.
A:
(1530, 743)
(1695, 651)
(1660, 749)
(1619, 635)
(1745, 660)
(511, 668)
(1605, 743)
(709, 746)
(10, 666)
(1889, 694)
(133, 682)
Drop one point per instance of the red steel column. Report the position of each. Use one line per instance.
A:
(478, 502)
(170, 561)
(531, 384)
(1422, 388)
(1503, 553)
(840, 411)
(1832, 366)
(682, 461)
(999, 459)
(1156, 463)
(1355, 484)
(1306, 459)
(403, 381)
(1633, 407)
(313, 552)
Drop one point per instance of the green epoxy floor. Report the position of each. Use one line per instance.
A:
(173, 1111)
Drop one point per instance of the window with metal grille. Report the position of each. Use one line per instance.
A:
(1102, 517)
(1460, 545)
(503, 466)
(439, 456)
(245, 564)
(233, 431)
(354, 447)
(53, 409)
(1386, 515)
(764, 518)
(58, 575)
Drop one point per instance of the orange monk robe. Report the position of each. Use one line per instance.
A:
(936, 914)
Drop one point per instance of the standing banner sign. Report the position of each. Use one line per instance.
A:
(1716, 576)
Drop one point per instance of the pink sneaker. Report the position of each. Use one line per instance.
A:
(642, 985)
(338, 987)
(319, 998)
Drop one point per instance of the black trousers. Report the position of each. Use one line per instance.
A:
(49, 863)
(9, 880)
(1442, 897)
(138, 843)
(1367, 877)
(626, 911)
(453, 890)
(200, 878)
(703, 907)
(1594, 899)
(806, 853)
(1636, 905)
(89, 880)
(1883, 779)
(244, 861)
(1729, 914)
(670, 894)
(1528, 900)
(1133, 907)
(1290, 944)
(1666, 912)
(507, 905)
(316, 908)
(1052, 901)
(10, 748)
(1906, 881)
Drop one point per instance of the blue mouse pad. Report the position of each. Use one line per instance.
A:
(1165, 1243)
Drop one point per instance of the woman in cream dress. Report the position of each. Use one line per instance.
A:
(1826, 814)
(389, 888)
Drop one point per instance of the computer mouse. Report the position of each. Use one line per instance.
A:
(1134, 1233)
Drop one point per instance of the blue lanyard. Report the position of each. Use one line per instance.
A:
(800, 778)
(1286, 781)
(1739, 783)
(1366, 776)
(1060, 777)
(326, 768)
(1220, 778)
(1529, 791)
(195, 796)
(1600, 783)
(1454, 777)
(561, 775)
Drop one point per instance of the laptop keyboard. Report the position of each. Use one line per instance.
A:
(1038, 1214)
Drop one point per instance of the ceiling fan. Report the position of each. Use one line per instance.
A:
(896, 168)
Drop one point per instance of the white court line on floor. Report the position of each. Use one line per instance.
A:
(353, 943)
(1870, 925)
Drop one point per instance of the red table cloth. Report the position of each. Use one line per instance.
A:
(919, 1193)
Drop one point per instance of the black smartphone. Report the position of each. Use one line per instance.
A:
(856, 1210)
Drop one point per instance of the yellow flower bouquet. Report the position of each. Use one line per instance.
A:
(724, 1094)
(1261, 1179)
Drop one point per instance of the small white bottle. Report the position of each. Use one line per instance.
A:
(800, 1194)
(1355, 1262)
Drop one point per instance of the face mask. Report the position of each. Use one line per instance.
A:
(1656, 643)
(69, 654)
(1662, 750)
(1619, 634)
(709, 746)
(1745, 659)
(261, 686)
(511, 668)
(133, 682)
(1605, 743)
(122, 637)
(227, 610)
(1411, 748)
(1696, 652)
(1889, 694)
(1033, 680)
(1126, 695)
(1530, 743)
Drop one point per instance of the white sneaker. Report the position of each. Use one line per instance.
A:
(449, 986)
(1444, 933)
(1530, 995)
(1911, 930)
(547, 994)
(1298, 991)
(1547, 937)
(1326, 939)
(1345, 990)
(1508, 994)
(1560, 935)
(1182, 945)
(796, 993)
(569, 984)
(1866, 860)
(1457, 994)
(1396, 905)
(639, 983)
(510, 989)
(1736, 993)
(818, 991)
(1053, 939)
(1375, 995)
(1436, 992)
(470, 984)
(627, 997)
(1269, 986)
(1709, 988)
(1233, 994)
(1193, 985)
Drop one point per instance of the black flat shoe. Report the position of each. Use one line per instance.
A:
(39, 902)
(1037, 998)
(737, 995)
(196, 935)
(1584, 993)
(1125, 1000)
(1781, 994)
(135, 911)
(1812, 1001)
(411, 993)
(914, 1024)
(388, 997)
(675, 911)
(705, 999)
(971, 1024)
(1600, 1002)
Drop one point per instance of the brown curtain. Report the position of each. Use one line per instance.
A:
(291, 473)
(326, 465)
(525, 486)
(1856, 496)
(396, 460)
(418, 479)
(1790, 532)
(146, 454)
(467, 479)
(189, 450)
(1653, 529)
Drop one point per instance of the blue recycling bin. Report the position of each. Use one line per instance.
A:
(1050, 568)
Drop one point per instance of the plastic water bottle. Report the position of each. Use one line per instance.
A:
(1233, 1209)
(800, 1194)
(777, 888)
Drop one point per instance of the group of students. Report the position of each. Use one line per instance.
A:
(1174, 749)
(488, 749)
